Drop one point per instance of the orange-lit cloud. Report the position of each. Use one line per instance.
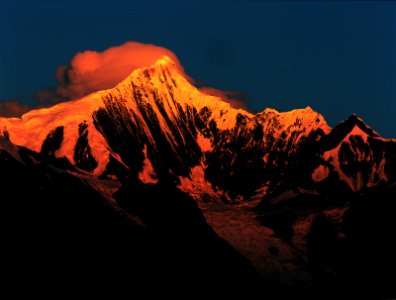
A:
(13, 109)
(236, 99)
(91, 71)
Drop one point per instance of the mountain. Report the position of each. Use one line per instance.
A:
(155, 124)
(155, 161)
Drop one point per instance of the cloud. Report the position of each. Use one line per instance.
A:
(91, 71)
(235, 98)
(13, 109)
(46, 97)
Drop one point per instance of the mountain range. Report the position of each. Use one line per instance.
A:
(154, 175)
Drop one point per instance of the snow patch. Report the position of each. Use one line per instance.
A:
(260, 193)
(204, 143)
(320, 173)
(331, 156)
(32, 128)
(357, 131)
(378, 174)
(147, 175)
(196, 186)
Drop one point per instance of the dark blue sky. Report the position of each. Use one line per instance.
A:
(338, 57)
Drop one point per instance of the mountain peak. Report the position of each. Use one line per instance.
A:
(156, 121)
(159, 68)
(297, 118)
(355, 121)
(165, 61)
(353, 126)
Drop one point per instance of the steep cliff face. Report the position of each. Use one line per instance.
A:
(155, 125)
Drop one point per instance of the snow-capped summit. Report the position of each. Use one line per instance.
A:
(156, 124)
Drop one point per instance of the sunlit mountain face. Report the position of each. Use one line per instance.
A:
(157, 177)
